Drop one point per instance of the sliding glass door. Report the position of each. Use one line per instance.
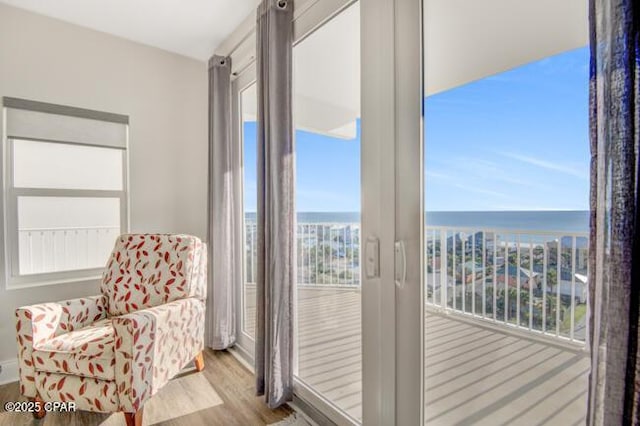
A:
(506, 193)
(328, 307)
(431, 285)
(326, 103)
(245, 113)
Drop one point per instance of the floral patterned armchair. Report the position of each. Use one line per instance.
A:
(114, 351)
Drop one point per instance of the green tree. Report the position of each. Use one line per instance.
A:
(552, 279)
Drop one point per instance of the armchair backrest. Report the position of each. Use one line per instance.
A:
(146, 270)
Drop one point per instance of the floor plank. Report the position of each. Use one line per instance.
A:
(474, 373)
(223, 394)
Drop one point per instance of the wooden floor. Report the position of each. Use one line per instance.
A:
(475, 373)
(223, 394)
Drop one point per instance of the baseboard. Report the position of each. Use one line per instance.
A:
(309, 412)
(8, 371)
(243, 357)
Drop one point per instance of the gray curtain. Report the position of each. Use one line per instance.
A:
(614, 290)
(224, 245)
(276, 211)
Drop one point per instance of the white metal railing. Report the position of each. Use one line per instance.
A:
(531, 280)
(328, 254)
(44, 250)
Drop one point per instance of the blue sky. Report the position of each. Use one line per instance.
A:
(514, 141)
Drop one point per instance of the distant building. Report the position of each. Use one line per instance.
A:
(527, 278)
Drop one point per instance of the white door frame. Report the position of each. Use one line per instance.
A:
(391, 163)
(392, 99)
(245, 344)
(410, 211)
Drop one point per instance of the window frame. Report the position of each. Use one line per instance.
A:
(309, 16)
(14, 280)
(246, 342)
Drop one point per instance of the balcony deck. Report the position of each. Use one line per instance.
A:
(476, 373)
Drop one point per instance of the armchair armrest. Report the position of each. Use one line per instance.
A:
(154, 344)
(38, 323)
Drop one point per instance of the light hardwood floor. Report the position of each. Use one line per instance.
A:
(223, 394)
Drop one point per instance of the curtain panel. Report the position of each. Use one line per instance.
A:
(224, 206)
(614, 291)
(276, 210)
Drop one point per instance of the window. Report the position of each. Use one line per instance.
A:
(65, 172)
(248, 101)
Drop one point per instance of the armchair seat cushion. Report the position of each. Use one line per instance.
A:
(86, 352)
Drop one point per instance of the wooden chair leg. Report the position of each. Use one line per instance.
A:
(41, 413)
(199, 361)
(133, 419)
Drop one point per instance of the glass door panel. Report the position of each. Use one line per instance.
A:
(506, 221)
(326, 113)
(248, 114)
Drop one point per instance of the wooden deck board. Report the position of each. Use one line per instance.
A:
(474, 373)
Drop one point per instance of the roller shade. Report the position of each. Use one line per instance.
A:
(42, 121)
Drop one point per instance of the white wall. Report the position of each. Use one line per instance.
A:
(165, 96)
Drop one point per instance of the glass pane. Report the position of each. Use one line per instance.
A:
(506, 197)
(65, 233)
(66, 166)
(248, 101)
(326, 113)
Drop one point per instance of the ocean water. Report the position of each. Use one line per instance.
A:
(565, 220)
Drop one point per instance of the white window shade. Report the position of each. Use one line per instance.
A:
(44, 126)
(74, 234)
(65, 191)
(66, 166)
(68, 212)
(41, 121)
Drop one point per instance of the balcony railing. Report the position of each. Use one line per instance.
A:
(328, 254)
(532, 280)
(529, 280)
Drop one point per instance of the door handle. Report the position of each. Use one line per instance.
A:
(372, 257)
(400, 264)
